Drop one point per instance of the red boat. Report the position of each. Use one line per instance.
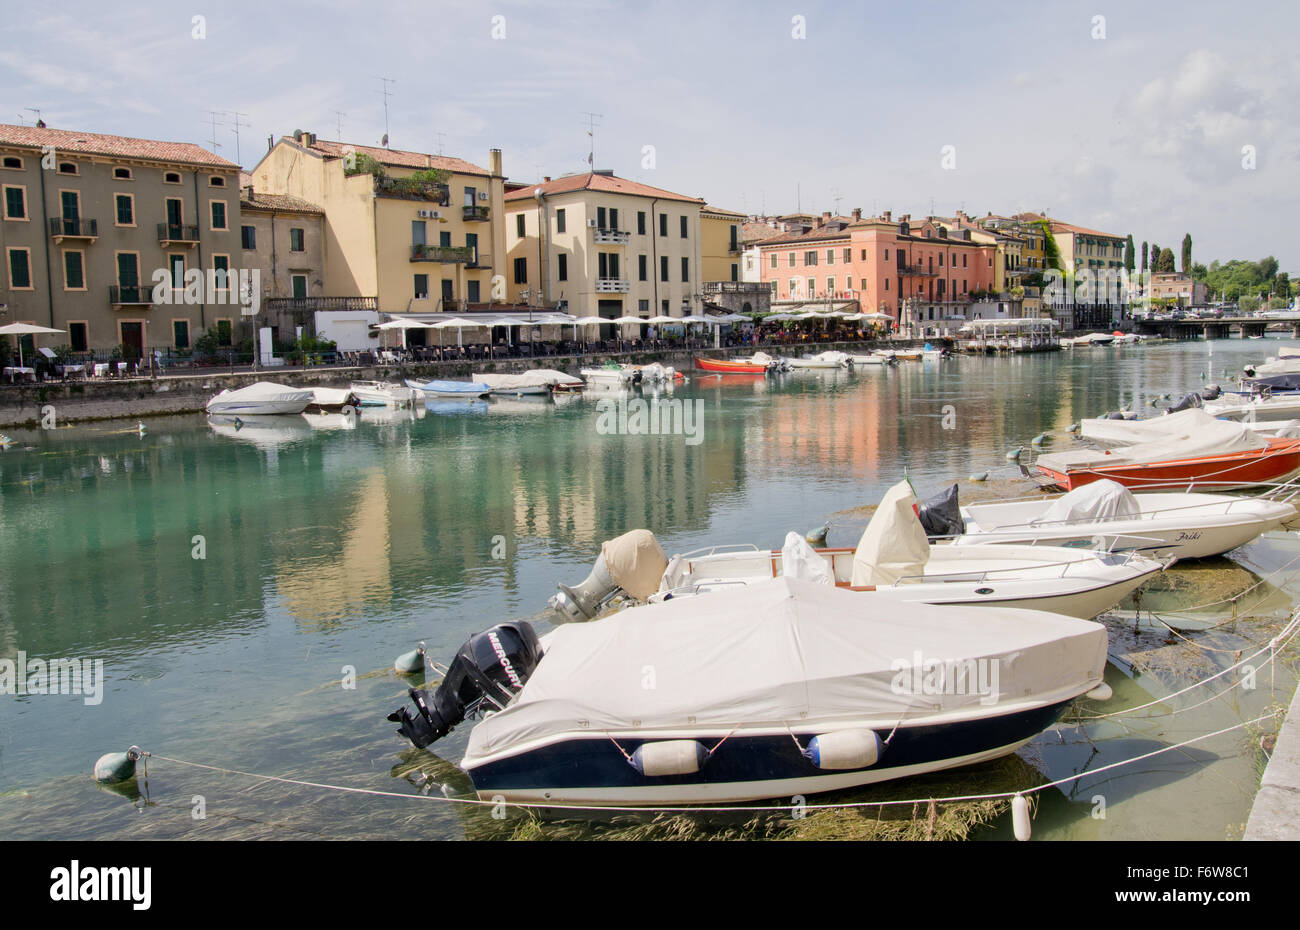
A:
(1276, 461)
(729, 366)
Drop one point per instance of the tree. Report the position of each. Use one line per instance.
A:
(1129, 254)
(1166, 263)
(1282, 284)
(1187, 253)
(1144, 256)
(1155, 256)
(1199, 271)
(1051, 251)
(1247, 304)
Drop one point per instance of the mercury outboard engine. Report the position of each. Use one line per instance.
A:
(492, 666)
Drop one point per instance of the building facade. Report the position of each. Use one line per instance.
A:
(283, 237)
(412, 231)
(721, 244)
(104, 237)
(595, 244)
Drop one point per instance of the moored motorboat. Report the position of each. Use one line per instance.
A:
(450, 388)
(730, 366)
(533, 381)
(332, 400)
(778, 688)
(829, 359)
(872, 360)
(611, 376)
(382, 393)
(264, 398)
(1105, 514)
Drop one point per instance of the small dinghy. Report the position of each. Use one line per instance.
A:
(265, 398)
(733, 366)
(827, 359)
(1105, 514)
(450, 388)
(331, 400)
(382, 393)
(780, 688)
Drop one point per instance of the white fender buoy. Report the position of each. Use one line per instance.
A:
(1038, 440)
(669, 757)
(844, 749)
(1072, 428)
(817, 537)
(982, 476)
(1020, 817)
(1015, 454)
(408, 663)
(114, 767)
(1102, 692)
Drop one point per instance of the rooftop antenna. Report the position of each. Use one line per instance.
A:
(591, 134)
(539, 172)
(215, 123)
(39, 122)
(387, 93)
(439, 135)
(798, 199)
(836, 197)
(237, 123)
(338, 119)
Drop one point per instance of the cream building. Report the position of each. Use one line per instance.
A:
(721, 244)
(596, 244)
(411, 242)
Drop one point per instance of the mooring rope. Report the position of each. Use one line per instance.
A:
(716, 809)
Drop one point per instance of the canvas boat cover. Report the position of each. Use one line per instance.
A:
(800, 560)
(533, 378)
(893, 546)
(1100, 500)
(1195, 433)
(635, 562)
(264, 391)
(787, 653)
(761, 358)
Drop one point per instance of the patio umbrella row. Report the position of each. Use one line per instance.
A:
(25, 329)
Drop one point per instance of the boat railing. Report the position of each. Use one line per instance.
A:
(707, 551)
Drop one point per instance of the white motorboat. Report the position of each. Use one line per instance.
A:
(610, 376)
(265, 398)
(892, 561)
(780, 688)
(534, 381)
(331, 399)
(1105, 514)
(1256, 407)
(655, 373)
(829, 359)
(770, 362)
(382, 393)
(872, 360)
(449, 388)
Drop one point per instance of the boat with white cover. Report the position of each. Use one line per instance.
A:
(449, 388)
(828, 359)
(382, 393)
(1108, 515)
(1270, 409)
(265, 398)
(534, 381)
(610, 375)
(892, 561)
(870, 360)
(783, 687)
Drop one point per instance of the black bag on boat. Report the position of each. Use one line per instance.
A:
(941, 515)
(1187, 403)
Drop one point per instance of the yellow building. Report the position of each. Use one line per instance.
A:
(720, 243)
(595, 244)
(413, 241)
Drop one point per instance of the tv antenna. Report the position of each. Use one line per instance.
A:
(591, 135)
(439, 135)
(386, 93)
(39, 122)
(213, 114)
(338, 118)
(238, 122)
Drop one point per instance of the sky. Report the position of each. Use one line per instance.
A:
(1122, 117)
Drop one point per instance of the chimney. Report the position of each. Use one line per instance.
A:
(826, 218)
(888, 215)
(546, 179)
(857, 214)
(494, 162)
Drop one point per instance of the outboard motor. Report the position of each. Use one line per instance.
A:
(631, 564)
(1211, 392)
(492, 666)
(941, 515)
(583, 601)
(1187, 402)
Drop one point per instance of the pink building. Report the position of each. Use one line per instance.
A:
(913, 271)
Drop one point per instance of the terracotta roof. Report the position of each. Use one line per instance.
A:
(280, 203)
(394, 157)
(720, 211)
(1058, 226)
(756, 232)
(816, 234)
(93, 143)
(607, 183)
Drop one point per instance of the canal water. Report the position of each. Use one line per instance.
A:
(247, 590)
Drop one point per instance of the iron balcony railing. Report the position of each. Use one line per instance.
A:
(464, 254)
(178, 232)
(474, 213)
(133, 294)
(74, 228)
(312, 304)
(412, 189)
(611, 285)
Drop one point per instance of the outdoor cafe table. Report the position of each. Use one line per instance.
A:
(66, 370)
(13, 371)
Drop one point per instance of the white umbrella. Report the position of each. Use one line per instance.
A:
(458, 325)
(403, 325)
(631, 319)
(25, 329)
(591, 320)
(664, 320)
(698, 319)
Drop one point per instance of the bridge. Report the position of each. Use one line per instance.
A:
(1224, 327)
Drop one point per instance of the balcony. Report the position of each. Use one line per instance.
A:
(739, 287)
(474, 214)
(305, 305)
(170, 234)
(480, 261)
(411, 189)
(611, 286)
(447, 254)
(70, 229)
(916, 271)
(610, 236)
(130, 295)
(735, 248)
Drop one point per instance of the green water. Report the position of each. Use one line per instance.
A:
(333, 549)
